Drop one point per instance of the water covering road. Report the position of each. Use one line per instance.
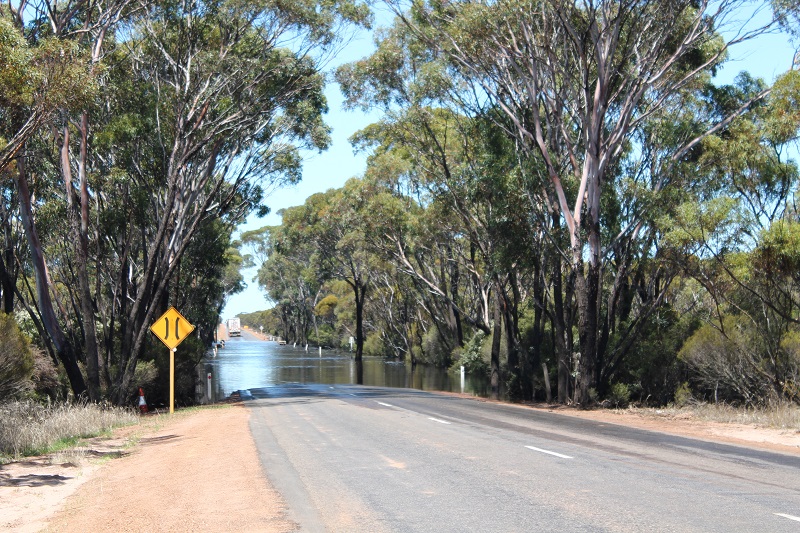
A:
(247, 362)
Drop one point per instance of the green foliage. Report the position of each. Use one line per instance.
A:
(434, 350)
(651, 366)
(472, 357)
(788, 14)
(373, 345)
(325, 335)
(619, 395)
(683, 395)
(17, 76)
(16, 359)
(783, 119)
(778, 252)
(146, 376)
(326, 307)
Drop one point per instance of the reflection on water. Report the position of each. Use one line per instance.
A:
(246, 364)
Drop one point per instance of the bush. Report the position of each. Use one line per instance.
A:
(683, 395)
(619, 395)
(434, 350)
(327, 337)
(731, 366)
(16, 359)
(373, 345)
(472, 358)
(48, 381)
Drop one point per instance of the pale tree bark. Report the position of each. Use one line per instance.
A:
(230, 125)
(64, 349)
(575, 81)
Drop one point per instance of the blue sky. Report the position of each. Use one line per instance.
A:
(766, 57)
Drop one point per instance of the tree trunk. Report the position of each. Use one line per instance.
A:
(517, 389)
(79, 218)
(360, 290)
(588, 295)
(495, 357)
(8, 277)
(64, 350)
(539, 295)
(454, 280)
(559, 332)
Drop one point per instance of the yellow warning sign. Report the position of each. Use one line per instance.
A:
(171, 328)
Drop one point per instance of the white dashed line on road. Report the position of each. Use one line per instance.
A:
(438, 420)
(790, 517)
(549, 452)
(385, 404)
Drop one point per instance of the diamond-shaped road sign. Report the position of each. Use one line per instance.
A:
(171, 328)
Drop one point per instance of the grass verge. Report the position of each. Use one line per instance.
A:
(30, 428)
(780, 416)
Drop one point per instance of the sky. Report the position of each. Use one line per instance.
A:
(766, 57)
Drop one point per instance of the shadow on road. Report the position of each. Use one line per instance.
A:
(33, 480)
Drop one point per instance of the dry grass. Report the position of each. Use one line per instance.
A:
(73, 456)
(780, 416)
(30, 428)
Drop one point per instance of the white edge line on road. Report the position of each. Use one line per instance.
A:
(790, 517)
(549, 452)
(384, 404)
(438, 420)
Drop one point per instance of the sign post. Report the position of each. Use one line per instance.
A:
(171, 328)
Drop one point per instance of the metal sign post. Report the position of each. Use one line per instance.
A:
(171, 328)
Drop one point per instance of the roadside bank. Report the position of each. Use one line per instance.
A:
(195, 471)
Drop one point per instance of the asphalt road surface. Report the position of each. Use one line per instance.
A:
(369, 459)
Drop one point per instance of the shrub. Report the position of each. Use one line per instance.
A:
(373, 345)
(16, 359)
(683, 395)
(619, 395)
(434, 350)
(472, 358)
(327, 337)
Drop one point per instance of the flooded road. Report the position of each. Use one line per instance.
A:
(247, 362)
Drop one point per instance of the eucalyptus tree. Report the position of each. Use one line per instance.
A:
(234, 91)
(289, 275)
(469, 236)
(201, 108)
(464, 171)
(62, 44)
(578, 83)
(740, 235)
(338, 226)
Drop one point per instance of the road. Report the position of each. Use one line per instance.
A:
(350, 459)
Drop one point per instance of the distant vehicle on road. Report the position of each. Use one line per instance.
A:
(234, 327)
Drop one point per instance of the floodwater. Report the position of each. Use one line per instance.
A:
(247, 364)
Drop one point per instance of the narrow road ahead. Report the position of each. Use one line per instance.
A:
(369, 459)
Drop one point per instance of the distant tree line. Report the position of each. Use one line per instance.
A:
(559, 193)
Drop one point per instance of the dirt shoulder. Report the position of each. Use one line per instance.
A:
(685, 424)
(199, 470)
(191, 472)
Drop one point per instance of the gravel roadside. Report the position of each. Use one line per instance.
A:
(194, 471)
